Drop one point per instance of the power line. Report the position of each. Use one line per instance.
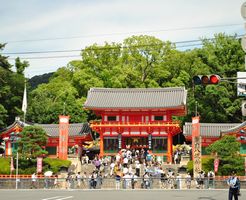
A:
(46, 57)
(124, 33)
(40, 52)
(105, 48)
(102, 48)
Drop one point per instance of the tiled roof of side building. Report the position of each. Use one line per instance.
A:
(52, 130)
(233, 129)
(208, 129)
(136, 97)
(74, 129)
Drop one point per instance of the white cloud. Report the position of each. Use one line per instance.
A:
(88, 18)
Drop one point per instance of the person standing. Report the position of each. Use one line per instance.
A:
(34, 181)
(56, 185)
(211, 177)
(79, 180)
(178, 181)
(188, 180)
(117, 180)
(137, 167)
(234, 186)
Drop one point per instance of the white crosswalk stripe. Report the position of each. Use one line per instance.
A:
(58, 198)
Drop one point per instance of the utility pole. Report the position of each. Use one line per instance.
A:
(243, 41)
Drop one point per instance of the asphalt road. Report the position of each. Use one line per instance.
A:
(116, 195)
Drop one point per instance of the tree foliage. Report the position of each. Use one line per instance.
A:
(139, 61)
(227, 150)
(32, 141)
(11, 89)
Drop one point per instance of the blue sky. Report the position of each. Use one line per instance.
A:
(94, 21)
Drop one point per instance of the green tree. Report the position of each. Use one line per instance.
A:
(11, 89)
(223, 56)
(227, 149)
(55, 98)
(32, 141)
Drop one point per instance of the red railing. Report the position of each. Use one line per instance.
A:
(132, 124)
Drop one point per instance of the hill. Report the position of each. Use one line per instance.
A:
(36, 80)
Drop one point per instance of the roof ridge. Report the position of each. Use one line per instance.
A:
(136, 89)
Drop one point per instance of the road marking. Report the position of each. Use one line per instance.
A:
(66, 198)
(58, 198)
(52, 198)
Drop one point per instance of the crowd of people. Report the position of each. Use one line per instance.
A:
(130, 169)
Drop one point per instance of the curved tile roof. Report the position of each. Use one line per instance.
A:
(116, 98)
(208, 129)
(74, 129)
(238, 127)
(52, 130)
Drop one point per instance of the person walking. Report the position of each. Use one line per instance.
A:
(234, 186)
(188, 180)
(56, 184)
(78, 179)
(34, 181)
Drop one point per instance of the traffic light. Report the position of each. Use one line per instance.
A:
(206, 79)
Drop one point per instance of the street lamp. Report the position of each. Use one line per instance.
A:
(14, 140)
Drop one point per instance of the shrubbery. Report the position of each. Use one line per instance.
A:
(207, 165)
(4, 165)
(29, 166)
(225, 166)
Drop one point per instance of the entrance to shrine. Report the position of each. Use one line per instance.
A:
(135, 142)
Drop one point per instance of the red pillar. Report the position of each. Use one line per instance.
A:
(101, 145)
(169, 147)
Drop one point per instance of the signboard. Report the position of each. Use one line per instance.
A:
(39, 164)
(241, 84)
(216, 165)
(63, 136)
(197, 158)
(243, 107)
(196, 146)
(243, 10)
(243, 43)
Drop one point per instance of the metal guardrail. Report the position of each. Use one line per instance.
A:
(111, 183)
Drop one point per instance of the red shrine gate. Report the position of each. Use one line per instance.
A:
(137, 118)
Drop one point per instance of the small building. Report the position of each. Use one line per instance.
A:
(137, 118)
(77, 134)
(211, 132)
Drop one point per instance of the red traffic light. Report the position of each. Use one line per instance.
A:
(214, 79)
(206, 79)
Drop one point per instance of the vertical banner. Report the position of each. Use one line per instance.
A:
(245, 165)
(150, 141)
(196, 146)
(63, 136)
(119, 141)
(12, 164)
(195, 126)
(39, 164)
(216, 165)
